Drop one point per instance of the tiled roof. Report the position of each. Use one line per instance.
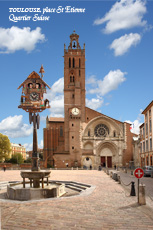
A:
(34, 75)
(57, 119)
(148, 107)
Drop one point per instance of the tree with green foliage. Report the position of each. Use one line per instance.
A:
(16, 159)
(5, 147)
(29, 160)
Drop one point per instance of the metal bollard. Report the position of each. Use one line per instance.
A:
(119, 179)
(114, 176)
(142, 197)
(132, 189)
(99, 168)
(131, 172)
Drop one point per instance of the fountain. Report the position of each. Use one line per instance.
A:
(37, 187)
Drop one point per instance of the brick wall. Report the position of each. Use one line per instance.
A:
(8, 165)
(53, 141)
(128, 152)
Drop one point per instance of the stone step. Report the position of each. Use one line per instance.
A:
(73, 188)
(77, 186)
(73, 185)
(84, 185)
(77, 183)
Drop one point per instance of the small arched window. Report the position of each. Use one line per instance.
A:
(73, 62)
(30, 85)
(74, 45)
(89, 133)
(114, 134)
(69, 62)
(79, 63)
(79, 72)
(73, 79)
(38, 86)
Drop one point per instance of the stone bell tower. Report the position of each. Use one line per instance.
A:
(74, 92)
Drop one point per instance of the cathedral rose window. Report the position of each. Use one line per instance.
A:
(101, 130)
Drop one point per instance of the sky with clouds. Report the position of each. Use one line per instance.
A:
(119, 53)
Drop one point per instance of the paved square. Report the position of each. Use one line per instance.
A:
(107, 207)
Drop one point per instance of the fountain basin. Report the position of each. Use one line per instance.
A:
(17, 192)
(35, 177)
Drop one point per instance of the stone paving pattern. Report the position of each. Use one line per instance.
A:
(107, 207)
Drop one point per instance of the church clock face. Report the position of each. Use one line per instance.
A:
(34, 96)
(75, 111)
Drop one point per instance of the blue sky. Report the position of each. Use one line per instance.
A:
(119, 59)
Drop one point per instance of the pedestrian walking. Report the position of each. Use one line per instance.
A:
(4, 168)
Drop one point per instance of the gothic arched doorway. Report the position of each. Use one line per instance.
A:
(107, 153)
(106, 157)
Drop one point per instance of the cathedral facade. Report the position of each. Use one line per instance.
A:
(84, 137)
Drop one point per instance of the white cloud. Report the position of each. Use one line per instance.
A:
(57, 106)
(124, 43)
(91, 80)
(28, 146)
(42, 118)
(58, 86)
(56, 97)
(136, 123)
(94, 103)
(14, 39)
(41, 144)
(134, 126)
(110, 82)
(14, 127)
(124, 14)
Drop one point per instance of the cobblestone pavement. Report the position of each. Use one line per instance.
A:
(107, 207)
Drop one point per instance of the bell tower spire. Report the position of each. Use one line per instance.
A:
(74, 84)
(74, 41)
